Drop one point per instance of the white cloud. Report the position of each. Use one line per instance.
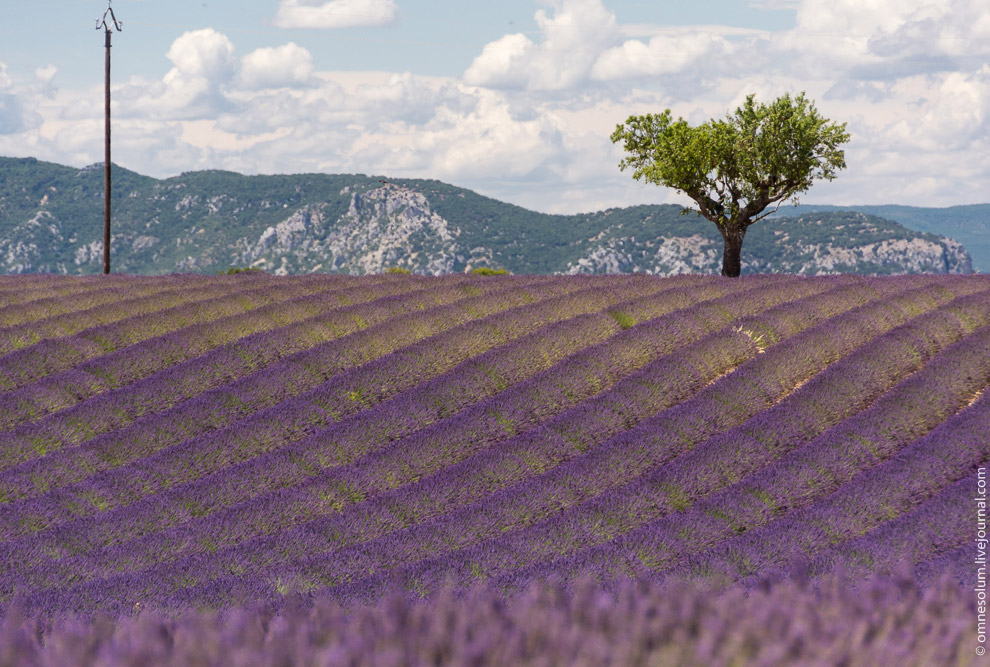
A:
(335, 13)
(941, 113)
(286, 65)
(205, 54)
(46, 74)
(574, 35)
(204, 63)
(887, 39)
(489, 140)
(502, 63)
(664, 54)
(654, 30)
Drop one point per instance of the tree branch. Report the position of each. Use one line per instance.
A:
(765, 214)
(707, 206)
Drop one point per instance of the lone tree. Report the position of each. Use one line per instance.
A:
(735, 168)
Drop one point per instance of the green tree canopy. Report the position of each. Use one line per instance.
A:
(736, 167)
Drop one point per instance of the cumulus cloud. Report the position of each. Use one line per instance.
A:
(205, 54)
(939, 36)
(887, 39)
(208, 79)
(574, 35)
(502, 63)
(947, 112)
(663, 54)
(204, 62)
(286, 65)
(335, 13)
(489, 139)
(880, 40)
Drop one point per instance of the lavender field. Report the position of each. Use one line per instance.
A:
(396, 469)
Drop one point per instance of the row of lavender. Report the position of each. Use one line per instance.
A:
(219, 325)
(341, 434)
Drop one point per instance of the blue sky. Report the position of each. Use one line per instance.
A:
(431, 37)
(514, 99)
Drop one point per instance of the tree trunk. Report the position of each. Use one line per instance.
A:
(733, 238)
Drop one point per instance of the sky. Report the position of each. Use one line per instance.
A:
(514, 99)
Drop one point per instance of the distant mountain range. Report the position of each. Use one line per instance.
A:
(51, 220)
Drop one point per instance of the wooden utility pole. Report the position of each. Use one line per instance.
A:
(102, 23)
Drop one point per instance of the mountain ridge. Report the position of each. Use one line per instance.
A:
(51, 220)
